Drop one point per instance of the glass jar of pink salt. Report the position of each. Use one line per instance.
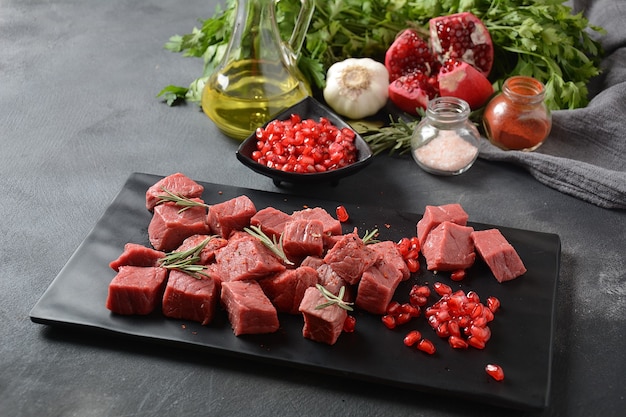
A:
(518, 118)
(445, 142)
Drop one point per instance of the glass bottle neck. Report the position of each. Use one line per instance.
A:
(524, 90)
(447, 111)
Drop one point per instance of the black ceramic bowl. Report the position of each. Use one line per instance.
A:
(309, 108)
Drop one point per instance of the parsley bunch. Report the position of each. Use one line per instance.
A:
(539, 38)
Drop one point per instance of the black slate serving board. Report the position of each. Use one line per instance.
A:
(522, 331)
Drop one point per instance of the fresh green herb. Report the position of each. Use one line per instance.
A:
(369, 237)
(187, 260)
(180, 200)
(540, 38)
(395, 137)
(333, 299)
(276, 246)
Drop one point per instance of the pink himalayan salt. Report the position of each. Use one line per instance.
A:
(447, 152)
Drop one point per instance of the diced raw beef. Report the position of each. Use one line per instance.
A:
(190, 298)
(389, 253)
(169, 226)
(350, 257)
(332, 226)
(231, 215)
(249, 309)
(137, 255)
(271, 221)
(449, 247)
(498, 254)
(136, 290)
(331, 240)
(207, 255)
(330, 280)
(286, 289)
(178, 184)
(302, 238)
(312, 261)
(323, 325)
(245, 258)
(377, 286)
(435, 215)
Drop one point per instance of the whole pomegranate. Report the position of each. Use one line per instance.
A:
(455, 61)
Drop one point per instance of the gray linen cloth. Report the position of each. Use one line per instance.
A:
(585, 154)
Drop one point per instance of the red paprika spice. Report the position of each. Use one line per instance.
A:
(517, 118)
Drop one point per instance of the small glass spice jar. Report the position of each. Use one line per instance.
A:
(518, 118)
(445, 142)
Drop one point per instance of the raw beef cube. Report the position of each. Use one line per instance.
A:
(285, 290)
(332, 226)
(136, 290)
(350, 257)
(178, 184)
(312, 261)
(377, 286)
(169, 226)
(321, 325)
(435, 215)
(302, 238)
(207, 254)
(449, 247)
(498, 254)
(333, 282)
(271, 221)
(190, 298)
(231, 215)
(249, 309)
(137, 255)
(245, 257)
(389, 253)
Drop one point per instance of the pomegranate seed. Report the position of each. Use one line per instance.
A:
(454, 329)
(442, 289)
(457, 342)
(417, 300)
(473, 295)
(404, 245)
(475, 342)
(421, 290)
(495, 371)
(413, 265)
(342, 214)
(427, 346)
(412, 337)
(493, 304)
(403, 318)
(442, 330)
(415, 243)
(458, 275)
(393, 308)
(349, 324)
(389, 321)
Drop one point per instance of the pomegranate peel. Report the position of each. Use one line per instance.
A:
(461, 80)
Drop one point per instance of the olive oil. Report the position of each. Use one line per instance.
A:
(246, 94)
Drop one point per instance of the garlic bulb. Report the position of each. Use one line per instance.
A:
(357, 87)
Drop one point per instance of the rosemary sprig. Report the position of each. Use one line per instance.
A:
(187, 260)
(369, 237)
(180, 200)
(396, 137)
(333, 299)
(272, 244)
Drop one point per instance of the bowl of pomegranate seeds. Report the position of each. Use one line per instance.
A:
(308, 142)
